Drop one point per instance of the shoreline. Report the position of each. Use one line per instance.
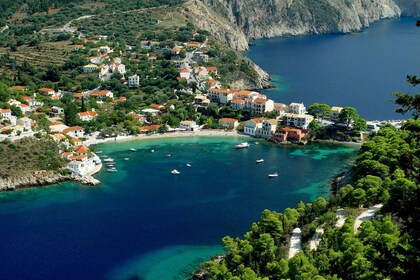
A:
(186, 134)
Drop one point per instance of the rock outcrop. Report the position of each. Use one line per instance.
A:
(43, 178)
(235, 22)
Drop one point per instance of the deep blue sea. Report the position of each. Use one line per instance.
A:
(145, 222)
(359, 69)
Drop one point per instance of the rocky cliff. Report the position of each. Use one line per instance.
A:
(235, 22)
(42, 178)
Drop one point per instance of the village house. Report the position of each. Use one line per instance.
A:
(102, 94)
(81, 165)
(90, 68)
(176, 50)
(6, 114)
(297, 120)
(105, 50)
(152, 112)
(228, 123)
(296, 108)
(289, 134)
(184, 73)
(199, 56)
(213, 84)
(26, 123)
(279, 108)
(192, 45)
(133, 81)
(117, 67)
(58, 138)
(18, 88)
(78, 47)
(188, 125)
(47, 91)
(252, 125)
(201, 100)
(267, 129)
(237, 104)
(55, 111)
(149, 128)
(335, 113)
(24, 108)
(86, 116)
(58, 127)
(157, 106)
(222, 95)
(31, 102)
(74, 131)
(260, 106)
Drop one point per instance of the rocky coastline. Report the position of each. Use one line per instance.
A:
(44, 178)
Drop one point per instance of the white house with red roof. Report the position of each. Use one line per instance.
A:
(222, 95)
(252, 125)
(6, 114)
(267, 129)
(261, 106)
(24, 108)
(228, 123)
(86, 116)
(74, 131)
(47, 91)
(184, 73)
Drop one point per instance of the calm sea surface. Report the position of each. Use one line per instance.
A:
(143, 221)
(359, 70)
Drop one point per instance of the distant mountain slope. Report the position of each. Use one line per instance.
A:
(237, 21)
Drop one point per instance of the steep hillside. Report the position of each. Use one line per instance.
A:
(234, 21)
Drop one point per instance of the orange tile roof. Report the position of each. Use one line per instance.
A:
(184, 70)
(258, 120)
(75, 140)
(149, 127)
(260, 100)
(73, 128)
(81, 149)
(46, 89)
(237, 101)
(211, 68)
(223, 90)
(87, 113)
(5, 110)
(18, 88)
(228, 120)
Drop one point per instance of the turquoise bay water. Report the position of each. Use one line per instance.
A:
(145, 222)
(359, 70)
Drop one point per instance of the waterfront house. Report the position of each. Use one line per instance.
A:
(228, 123)
(74, 131)
(188, 125)
(289, 134)
(252, 125)
(260, 106)
(267, 129)
(86, 116)
(297, 120)
(335, 113)
(296, 108)
(149, 128)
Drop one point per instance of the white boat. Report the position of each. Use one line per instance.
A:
(113, 169)
(126, 158)
(242, 145)
(108, 159)
(152, 151)
(99, 152)
(175, 172)
(259, 160)
(189, 165)
(168, 155)
(132, 150)
(273, 175)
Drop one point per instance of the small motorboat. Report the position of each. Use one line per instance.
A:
(168, 155)
(175, 172)
(99, 152)
(110, 163)
(189, 165)
(108, 159)
(112, 169)
(132, 150)
(126, 158)
(152, 151)
(242, 145)
(273, 175)
(256, 143)
(259, 160)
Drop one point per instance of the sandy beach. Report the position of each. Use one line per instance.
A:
(92, 140)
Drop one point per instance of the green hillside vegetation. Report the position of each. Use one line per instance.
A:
(28, 155)
(387, 171)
